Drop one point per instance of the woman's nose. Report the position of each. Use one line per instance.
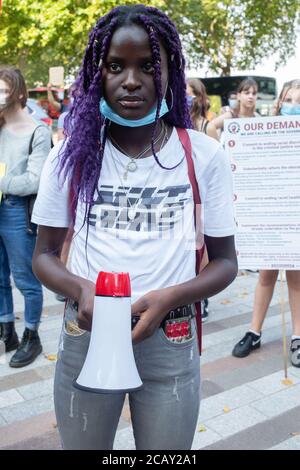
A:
(132, 80)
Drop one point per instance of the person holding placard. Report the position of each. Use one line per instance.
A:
(245, 105)
(288, 104)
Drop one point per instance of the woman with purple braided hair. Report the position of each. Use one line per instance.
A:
(130, 177)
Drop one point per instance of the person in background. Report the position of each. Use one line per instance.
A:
(232, 102)
(198, 101)
(61, 133)
(210, 115)
(61, 105)
(288, 105)
(60, 126)
(24, 146)
(245, 105)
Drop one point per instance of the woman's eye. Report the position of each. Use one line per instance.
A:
(148, 67)
(114, 67)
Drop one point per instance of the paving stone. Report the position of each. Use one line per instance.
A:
(279, 402)
(46, 372)
(124, 440)
(19, 379)
(27, 409)
(209, 388)
(290, 444)
(49, 441)
(247, 372)
(204, 438)
(272, 383)
(10, 397)
(38, 389)
(294, 371)
(34, 426)
(235, 421)
(5, 370)
(263, 435)
(2, 423)
(231, 399)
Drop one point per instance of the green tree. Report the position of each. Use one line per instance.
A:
(236, 34)
(225, 34)
(38, 34)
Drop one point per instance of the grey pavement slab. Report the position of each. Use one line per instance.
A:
(246, 372)
(204, 437)
(272, 383)
(26, 409)
(235, 421)
(279, 402)
(48, 441)
(264, 435)
(124, 439)
(36, 390)
(290, 444)
(234, 398)
(10, 397)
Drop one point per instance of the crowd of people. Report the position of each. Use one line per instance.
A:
(131, 123)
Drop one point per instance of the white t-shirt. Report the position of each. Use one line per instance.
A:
(152, 235)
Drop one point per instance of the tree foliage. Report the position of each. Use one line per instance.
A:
(227, 34)
(38, 34)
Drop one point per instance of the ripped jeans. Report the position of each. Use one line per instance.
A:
(164, 412)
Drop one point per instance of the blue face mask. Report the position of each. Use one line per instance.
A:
(232, 103)
(108, 113)
(189, 100)
(288, 109)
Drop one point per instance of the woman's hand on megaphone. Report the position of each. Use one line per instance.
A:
(86, 304)
(152, 309)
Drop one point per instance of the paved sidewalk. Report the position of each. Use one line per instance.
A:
(244, 403)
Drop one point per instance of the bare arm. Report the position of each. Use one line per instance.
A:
(219, 121)
(56, 104)
(216, 276)
(53, 274)
(211, 131)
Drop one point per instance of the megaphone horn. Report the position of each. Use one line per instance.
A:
(110, 366)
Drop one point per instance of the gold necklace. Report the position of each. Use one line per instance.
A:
(132, 165)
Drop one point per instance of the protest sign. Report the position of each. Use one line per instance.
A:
(56, 76)
(265, 160)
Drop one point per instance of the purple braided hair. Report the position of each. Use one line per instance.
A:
(79, 161)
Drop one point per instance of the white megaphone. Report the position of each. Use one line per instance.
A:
(110, 366)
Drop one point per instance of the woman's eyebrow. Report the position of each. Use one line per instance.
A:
(111, 58)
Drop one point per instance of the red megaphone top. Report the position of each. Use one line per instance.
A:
(113, 284)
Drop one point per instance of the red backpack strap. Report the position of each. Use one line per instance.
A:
(186, 143)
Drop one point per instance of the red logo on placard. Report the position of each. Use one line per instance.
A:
(231, 143)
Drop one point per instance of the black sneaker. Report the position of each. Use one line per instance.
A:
(247, 344)
(30, 347)
(204, 310)
(295, 352)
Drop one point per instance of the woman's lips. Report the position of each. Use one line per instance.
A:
(131, 102)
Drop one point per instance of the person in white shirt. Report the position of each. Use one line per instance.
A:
(123, 177)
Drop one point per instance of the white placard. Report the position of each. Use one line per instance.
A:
(56, 76)
(265, 160)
